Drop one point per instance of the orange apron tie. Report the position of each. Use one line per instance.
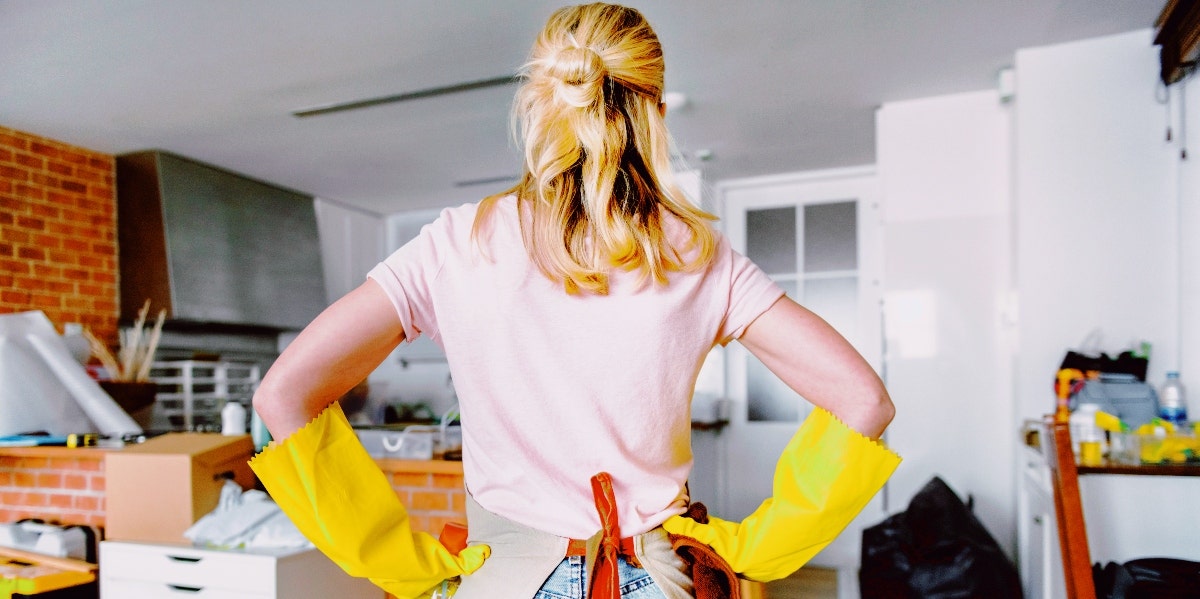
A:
(605, 582)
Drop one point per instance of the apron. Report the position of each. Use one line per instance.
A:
(523, 558)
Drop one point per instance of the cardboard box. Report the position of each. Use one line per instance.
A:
(156, 490)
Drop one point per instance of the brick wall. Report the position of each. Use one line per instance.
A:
(58, 238)
(432, 498)
(59, 485)
(67, 486)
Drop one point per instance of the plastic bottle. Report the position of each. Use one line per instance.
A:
(1172, 400)
(233, 418)
(1083, 427)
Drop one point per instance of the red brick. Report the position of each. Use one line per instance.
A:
(429, 501)
(30, 283)
(411, 479)
(24, 190)
(448, 481)
(61, 500)
(47, 270)
(34, 224)
(60, 168)
(75, 244)
(28, 160)
(14, 173)
(46, 150)
(73, 157)
(92, 465)
(61, 287)
(87, 503)
(31, 253)
(64, 199)
(91, 176)
(73, 186)
(75, 302)
(14, 296)
(6, 250)
(89, 205)
(15, 235)
(96, 483)
(44, 211)
(13, 141)
(44, 301)
(48, 242)
(91, 261)
(58, 256)
(60, 228)
(104, 247)
(75, 274)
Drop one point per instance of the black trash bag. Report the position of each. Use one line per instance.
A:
(1148, 578)
(935, 549)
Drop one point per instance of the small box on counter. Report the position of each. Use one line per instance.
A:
(156, 490)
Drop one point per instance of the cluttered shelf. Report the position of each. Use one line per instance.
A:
(1183, 469)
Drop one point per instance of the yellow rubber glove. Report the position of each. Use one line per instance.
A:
(825, 477)
(335, 493)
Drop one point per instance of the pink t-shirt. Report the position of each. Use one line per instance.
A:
(554, 388)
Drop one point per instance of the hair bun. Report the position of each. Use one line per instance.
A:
(575, 65)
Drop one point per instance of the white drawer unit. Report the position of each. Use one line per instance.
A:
(154, 571)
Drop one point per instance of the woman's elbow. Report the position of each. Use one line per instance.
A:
(870, 414)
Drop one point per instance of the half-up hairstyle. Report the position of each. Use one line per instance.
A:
(597, 177)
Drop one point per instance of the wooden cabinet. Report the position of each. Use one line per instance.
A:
(153, 571)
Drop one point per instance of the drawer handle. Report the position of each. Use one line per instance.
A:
(182, 589)
(182, 558)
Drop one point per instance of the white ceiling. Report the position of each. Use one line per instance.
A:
(773, 87)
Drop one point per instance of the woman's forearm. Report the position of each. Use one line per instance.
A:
(340, 348)
(814, 360)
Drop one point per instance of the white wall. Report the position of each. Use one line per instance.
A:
(1095, 197)
(1098, 202)
(944, 172)
(1188, 209)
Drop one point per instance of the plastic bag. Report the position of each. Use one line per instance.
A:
(936, 548)
(1157, 577)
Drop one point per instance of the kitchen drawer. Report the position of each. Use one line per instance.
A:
(137, 589)
(188, 567)
(135, 570)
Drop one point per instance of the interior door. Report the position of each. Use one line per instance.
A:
(818, 235)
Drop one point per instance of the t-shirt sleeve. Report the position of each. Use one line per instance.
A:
(407, 278)
(751, 292)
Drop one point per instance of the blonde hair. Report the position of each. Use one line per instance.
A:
(597, 177)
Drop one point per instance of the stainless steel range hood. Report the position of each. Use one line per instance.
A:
(214, 247)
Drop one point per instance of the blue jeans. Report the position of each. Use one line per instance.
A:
(569, 581)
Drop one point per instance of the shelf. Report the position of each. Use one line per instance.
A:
(1187, 469)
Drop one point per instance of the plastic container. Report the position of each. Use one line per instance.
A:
(1084, 428)
(1172, 400)
(233, 418)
